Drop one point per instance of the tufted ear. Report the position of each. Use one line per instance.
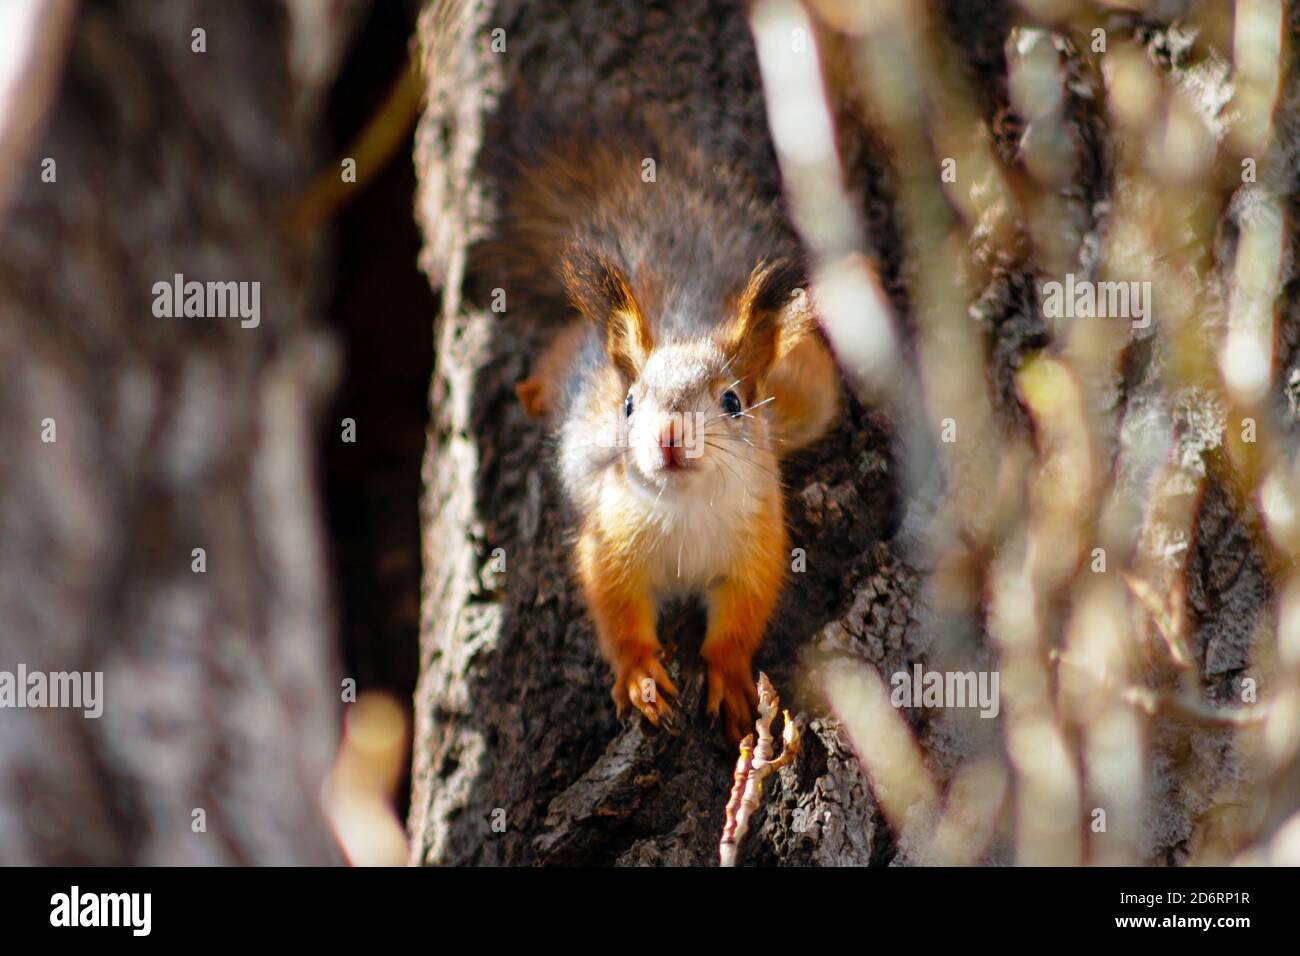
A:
(599, 290)
(756, 335)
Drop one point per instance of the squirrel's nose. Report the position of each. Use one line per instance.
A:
(670, 444)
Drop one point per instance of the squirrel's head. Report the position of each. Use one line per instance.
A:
(693, 410)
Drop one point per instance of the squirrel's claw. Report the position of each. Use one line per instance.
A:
(646, 686)
(733, 693)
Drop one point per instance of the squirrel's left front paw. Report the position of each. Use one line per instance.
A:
(733, 693)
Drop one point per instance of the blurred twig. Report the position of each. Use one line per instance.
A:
(1120, 151)
(371, 149)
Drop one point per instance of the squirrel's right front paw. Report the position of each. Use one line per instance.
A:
(642, 682)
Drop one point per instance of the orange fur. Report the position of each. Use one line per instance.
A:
(739, 608)
(539, 391)
(622, 608)
(805, 385)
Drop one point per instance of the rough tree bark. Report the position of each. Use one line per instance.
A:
(513, 721)
(170, 434)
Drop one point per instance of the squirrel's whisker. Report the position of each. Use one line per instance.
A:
(748, 461)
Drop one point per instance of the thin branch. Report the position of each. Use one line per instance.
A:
(752, 767)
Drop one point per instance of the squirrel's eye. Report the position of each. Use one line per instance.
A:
(731, 404)
(627, 407)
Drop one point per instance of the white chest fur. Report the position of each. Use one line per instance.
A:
(692, 534)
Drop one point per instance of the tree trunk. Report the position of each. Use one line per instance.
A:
(519, 758)
(132, 440)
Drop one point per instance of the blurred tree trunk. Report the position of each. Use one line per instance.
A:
(170, 435)
(519, 758)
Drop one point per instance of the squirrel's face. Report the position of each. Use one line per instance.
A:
(692, 421)
(692, 412)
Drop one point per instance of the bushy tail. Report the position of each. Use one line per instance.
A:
(555, 176)
(804, 384)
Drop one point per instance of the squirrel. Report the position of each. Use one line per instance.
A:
(690, 363)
